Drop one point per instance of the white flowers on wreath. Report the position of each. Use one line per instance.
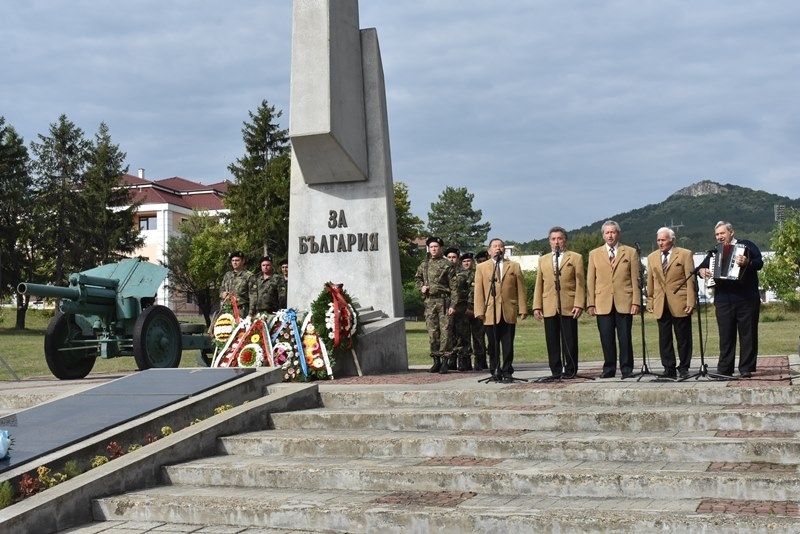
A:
(351, 321)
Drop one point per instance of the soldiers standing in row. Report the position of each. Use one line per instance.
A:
(239, 283)
(460, 357)
(436, 280)
(271, 289)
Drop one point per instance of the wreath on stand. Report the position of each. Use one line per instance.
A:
(336, 320)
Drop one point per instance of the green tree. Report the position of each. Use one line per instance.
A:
(454, 219)
(197, 260)
(409, 228)
(112, 234)
(583, 243)
(59, 164)
(15, 182)
(259, 197)
(780, 273)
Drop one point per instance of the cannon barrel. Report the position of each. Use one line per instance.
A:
(82, 293)
(40, 290)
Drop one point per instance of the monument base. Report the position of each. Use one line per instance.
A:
(381, 349)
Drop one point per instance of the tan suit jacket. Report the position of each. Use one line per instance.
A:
(511, 298)
(614, 284)
(573, 285)
(661, 287)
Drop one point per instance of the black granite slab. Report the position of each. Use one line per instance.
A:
(55, 425)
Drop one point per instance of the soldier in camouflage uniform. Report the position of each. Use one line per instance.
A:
(476, 325)
(271, 288)
(239, 283)
(435, 278)
(460, 357)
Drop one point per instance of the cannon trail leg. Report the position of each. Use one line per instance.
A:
(157, 339)
(66, 356)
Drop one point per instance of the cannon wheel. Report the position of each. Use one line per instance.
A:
(71, 364)
(157, 339)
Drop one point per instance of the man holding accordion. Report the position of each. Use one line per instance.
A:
(733, 268)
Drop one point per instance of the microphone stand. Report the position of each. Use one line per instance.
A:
(703, 371)
(495, 376)
(562, 334)
(645, 370)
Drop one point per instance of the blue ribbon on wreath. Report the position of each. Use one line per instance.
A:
(291, 316)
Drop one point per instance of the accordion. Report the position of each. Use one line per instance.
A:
(723, 268)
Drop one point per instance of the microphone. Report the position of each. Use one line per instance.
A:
(498, 255)
(558, 250)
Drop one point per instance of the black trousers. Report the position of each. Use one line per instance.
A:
(738, 317)
(561, 337)
(682, 327)
(617, 325)
(500, 339)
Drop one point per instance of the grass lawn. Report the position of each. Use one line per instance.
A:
(778, 335)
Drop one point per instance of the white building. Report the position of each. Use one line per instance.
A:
(164, 205)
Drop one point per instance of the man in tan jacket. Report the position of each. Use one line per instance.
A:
(559, 299)
(672, 298)
(613, 296)
(500, 297)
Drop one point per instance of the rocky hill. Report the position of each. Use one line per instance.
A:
(692, 212)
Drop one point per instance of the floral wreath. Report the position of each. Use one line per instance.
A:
(251, 355)
(336, 320)
(282, 353)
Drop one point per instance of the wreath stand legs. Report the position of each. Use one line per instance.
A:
(355, 359)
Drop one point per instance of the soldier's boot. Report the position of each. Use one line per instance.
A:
(464, 363)
(452, 363)
(437, 364)
(443, 370)
(480, 362)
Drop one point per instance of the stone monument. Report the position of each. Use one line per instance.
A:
(342, 224)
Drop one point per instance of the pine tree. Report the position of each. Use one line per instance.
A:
(454, 220)
(15, 182)
(113, 234)
(259, 198)
(59, 164)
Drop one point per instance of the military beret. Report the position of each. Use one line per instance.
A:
(435, 240)
(482, 255)
(467, 256)
(451, 250)
(266, 258)
(284, 262)
(236, 254)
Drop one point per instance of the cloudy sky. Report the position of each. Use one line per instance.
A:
(549, 111)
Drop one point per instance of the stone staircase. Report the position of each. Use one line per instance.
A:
(459, 456)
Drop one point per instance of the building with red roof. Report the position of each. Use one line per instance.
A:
(165, 204)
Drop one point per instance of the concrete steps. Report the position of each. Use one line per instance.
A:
(463, 457)
(364, 511)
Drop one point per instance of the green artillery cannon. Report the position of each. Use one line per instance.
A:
(110, 311)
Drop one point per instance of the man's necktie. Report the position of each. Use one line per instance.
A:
(664, 262)
(611, 255)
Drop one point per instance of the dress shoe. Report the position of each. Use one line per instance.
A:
(746, 374)
(669, 374)
(684, 373)
(628, 375)
(507, 379)
(607, 375)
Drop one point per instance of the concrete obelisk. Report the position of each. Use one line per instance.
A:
(342, 225)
